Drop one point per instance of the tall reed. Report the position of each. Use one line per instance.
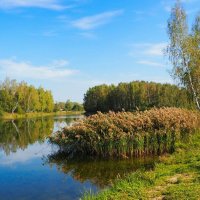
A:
(127, 134)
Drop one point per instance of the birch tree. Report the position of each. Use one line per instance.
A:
(183, 51)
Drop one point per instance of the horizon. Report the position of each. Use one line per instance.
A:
(69, 46)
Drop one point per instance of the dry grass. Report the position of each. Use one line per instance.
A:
(126, 134)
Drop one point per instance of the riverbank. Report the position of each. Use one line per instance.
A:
(174, 177)
(10, 116)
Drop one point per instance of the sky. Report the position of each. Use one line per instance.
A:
(67, 46)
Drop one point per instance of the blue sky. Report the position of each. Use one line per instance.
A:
(70, 45)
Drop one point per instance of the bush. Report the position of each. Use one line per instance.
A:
(126, 134)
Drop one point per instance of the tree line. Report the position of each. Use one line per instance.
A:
(136, 95)
(23, 98)
(68, 106)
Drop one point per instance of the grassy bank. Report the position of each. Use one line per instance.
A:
(175, 177)
(127, 134)
(10, 116)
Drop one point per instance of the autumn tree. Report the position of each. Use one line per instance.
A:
(184, 51)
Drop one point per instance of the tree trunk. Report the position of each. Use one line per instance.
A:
(17, 130)
(14, 108)
(28, 104)
(194, 92)
(192, 86)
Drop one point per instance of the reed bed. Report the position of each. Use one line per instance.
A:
(127, 134)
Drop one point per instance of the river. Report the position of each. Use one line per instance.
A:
(31, 168)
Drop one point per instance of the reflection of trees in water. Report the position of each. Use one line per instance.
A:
(20, 133)
(100, 172)
(63, 121)
(68, 120)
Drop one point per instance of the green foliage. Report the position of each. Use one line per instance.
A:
(96, 98)
(1, 111)
(22, 98)
(59, 106)
(68, 106)
(135, 95)
(19, 110)
(127, 134)
(77, 107)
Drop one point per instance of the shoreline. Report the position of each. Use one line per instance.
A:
(10, 116)
(175, 176)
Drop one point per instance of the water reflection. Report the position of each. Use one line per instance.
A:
(31, 168)
(100, 172)
(19, 134)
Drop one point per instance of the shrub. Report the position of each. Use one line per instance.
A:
(126, 134)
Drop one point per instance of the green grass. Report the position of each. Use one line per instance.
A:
(10, 116)
(175, 177)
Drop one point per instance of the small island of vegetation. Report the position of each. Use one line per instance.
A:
(126, 134)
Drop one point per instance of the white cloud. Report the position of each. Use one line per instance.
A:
(48, 4)
(23, 69)
(148, 49)
(91, 22)
(155, 49)
(21, 156)
(60, 62)
(149, 54)
(150, 63)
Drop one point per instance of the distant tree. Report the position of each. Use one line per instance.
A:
(42, 99)
(69, 105)
(77, 107)
(49, 102)
(95, 98)
(56, 107)
(9, 95)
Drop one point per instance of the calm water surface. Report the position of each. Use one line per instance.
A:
(31, 168)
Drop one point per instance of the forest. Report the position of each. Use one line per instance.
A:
(136, 95)
(68, 106)
(23, 98)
